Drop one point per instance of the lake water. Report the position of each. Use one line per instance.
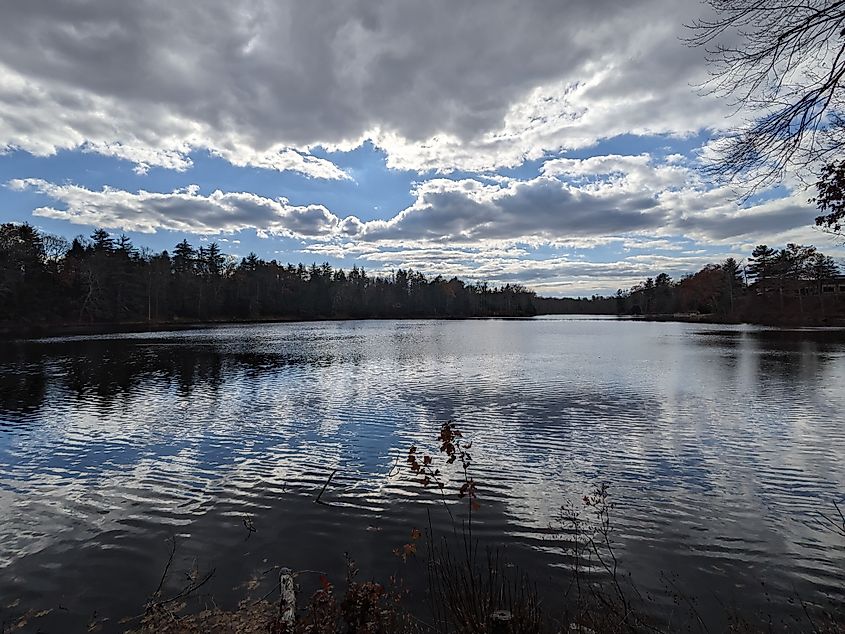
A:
(722, 445)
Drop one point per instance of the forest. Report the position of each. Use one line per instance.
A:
(46, 281)
(795, 284)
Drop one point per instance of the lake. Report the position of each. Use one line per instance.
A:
(721, 444)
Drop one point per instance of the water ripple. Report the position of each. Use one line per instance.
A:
(722, 445)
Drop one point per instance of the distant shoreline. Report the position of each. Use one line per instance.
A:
(37, 331)
(715, 319)
(704, 318)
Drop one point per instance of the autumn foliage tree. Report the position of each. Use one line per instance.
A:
(772, 286)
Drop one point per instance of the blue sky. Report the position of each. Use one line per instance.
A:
(531, 142)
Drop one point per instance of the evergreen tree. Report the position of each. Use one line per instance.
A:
(761, 262)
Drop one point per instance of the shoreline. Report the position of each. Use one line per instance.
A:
(40, 331)
(694, 318)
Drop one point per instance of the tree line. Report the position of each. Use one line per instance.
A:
(45, 279)
(793, 284)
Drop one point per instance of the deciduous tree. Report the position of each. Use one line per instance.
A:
(782, 65)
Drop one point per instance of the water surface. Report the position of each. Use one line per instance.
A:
(721, 443)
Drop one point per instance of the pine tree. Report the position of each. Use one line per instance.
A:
(761, 262)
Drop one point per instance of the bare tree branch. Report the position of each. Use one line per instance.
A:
(782, 67)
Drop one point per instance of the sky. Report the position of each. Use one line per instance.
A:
(553, 144)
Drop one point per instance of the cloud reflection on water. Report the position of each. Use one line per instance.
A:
(720, 443)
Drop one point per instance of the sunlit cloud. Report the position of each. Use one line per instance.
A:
(565, 137)
(264, 84)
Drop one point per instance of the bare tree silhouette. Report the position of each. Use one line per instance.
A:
(781, 64)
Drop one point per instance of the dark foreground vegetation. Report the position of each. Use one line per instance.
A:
(793, 285)
(47, 281)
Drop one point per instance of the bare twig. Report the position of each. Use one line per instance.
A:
(323, 490)
(188, 590)
(166, 567)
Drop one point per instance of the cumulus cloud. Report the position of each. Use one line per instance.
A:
(579, 203)
(182, 210)
(585, 202)
(632, 173)
(544, 209)
(437, 85)
(651, 214)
